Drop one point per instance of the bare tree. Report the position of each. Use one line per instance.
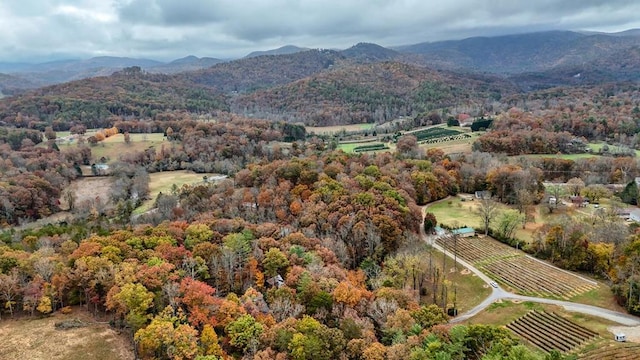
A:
(487, 209)
(575, 186)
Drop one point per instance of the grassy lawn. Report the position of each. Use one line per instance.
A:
(114, 146)
(561, 156)
(455, 212)
(328, 130)
(597, 146)
(37, 339)
(454, 146)
(601, 297)
(350, 147)
(164, 181)
(470, 289)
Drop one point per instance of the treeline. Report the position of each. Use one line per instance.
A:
(32, 179)
(225, 145)
(96, 102)
(368, 93)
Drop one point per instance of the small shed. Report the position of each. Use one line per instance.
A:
(620, 337)
(464, 232)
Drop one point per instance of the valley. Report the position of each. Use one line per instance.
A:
(312, 203)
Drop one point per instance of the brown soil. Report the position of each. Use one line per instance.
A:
(37, 338)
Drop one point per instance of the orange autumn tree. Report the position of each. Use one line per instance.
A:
(352, 290)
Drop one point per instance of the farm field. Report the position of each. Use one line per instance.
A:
(560, 156)
(516, 271)
(355, 147)
(455, 146)
(329, 130)
(38, 339)
(164, 181)
(89, 189)
(502, 313)
(549, 331)
(114, 146)
(612, 351)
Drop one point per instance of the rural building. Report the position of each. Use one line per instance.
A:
(634, 215)
(464, 232)
(440, 231)
(483, 194)
(620, 337)
(100, 169)
(276, 281)
(579, 201)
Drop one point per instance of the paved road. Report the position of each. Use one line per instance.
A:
(500, 294)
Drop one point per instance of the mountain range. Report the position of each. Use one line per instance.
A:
(364, 83)
(552, 57)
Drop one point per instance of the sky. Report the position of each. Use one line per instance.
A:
(40, 30)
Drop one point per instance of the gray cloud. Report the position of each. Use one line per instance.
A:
(166, 29)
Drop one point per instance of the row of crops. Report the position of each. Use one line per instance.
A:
(370, 147)
(613, 351)
(516, 270)
(434, 133)
(549, 331)
(460, 136)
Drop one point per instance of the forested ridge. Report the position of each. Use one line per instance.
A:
(368, 93)
(302, 251)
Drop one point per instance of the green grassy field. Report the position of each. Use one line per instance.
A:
(560, 156)
(470, 289)
(164, 181)
(457, 213)
(329, 130)
(114, 146)
(350, 147)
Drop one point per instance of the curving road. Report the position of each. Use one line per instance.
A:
(501, 294)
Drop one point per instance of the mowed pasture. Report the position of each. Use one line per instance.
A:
(38, 339)
(549, 331)
(163, 182)
(454, 146)
(517, 271)
(455, 212)
(337, 129)
(114, 146)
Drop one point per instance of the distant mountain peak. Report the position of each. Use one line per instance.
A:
(369, 52)
(283, 50)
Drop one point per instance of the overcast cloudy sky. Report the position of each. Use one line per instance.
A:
(36, 30)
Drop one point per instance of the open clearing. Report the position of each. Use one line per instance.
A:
(454, 212)
(516, 271)
(603, 347)
(114, 146)
(549, 331)
(330, 130)
(454, 146)
(89, 189)
(164, 181)
(469, 288)
(38, 339)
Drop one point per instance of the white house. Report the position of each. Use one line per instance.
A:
(634, 215)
